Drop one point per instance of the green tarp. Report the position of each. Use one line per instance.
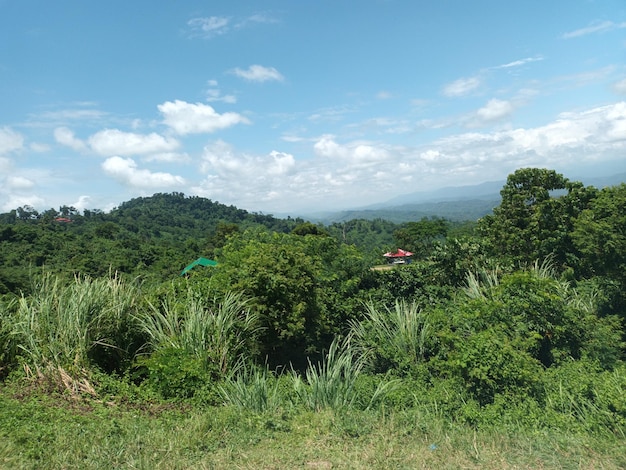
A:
(199, 262)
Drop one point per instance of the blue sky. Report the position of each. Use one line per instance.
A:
(286, 106)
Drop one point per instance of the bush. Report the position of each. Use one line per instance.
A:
(175, 374)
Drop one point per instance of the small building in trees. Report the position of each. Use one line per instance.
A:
(399, 256)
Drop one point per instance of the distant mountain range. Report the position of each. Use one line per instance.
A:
(456, 203)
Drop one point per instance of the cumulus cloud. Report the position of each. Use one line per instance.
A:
(220, 158)
(65, 136)
(188, 118)
(115, 142)
(10, 140)
(20, 200)
(356, 153)
(583, 136)
(247, 179)
(82, 203)
(259, 73)
(461, 87)
(126, 172)
(19, 183)
(355, 173)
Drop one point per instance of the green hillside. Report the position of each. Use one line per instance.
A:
(496, 332)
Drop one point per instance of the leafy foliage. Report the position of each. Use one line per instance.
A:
(517, 323)
(297, 284)
(534, 219)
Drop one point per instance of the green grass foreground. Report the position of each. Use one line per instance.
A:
(44, 431)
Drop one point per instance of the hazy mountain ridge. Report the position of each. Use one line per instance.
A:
(457, 203)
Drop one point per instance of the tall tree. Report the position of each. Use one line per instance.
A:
(600, 233)
(535, 217)
(420, 237)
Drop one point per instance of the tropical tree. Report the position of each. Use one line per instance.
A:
(302, 286)
(420, 237)
(600, 233)
(535, 217)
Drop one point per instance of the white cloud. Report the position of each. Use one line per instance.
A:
(211, 26)
(38, 147)
(169, 157)
(115, 142)
(5, 165)
(220, 158)
(19, 183)
(595, 27)
(189, 118)
(216, 95)
(10, 140)
(20, 200)
(355, 173)
(65, 136)
(208, 27)
(82, 203)
(259, 73)
(518, 63)
(126, 172)
(355, 154)
(461, 87)
(494, 110)
(213, 93)
(280, 163)
(72, 115)
(246, 179)
(262, 18)
(573, 137)
(620, 87)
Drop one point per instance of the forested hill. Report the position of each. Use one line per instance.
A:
(517, 319)
(155, 236)
(189, 215)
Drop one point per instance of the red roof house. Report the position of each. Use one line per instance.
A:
(399, 256)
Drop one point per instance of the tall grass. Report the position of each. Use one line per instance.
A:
(480, 285)
(252, 389)
(220, 333)
(331, 382)
(402, 332)
(62, 329)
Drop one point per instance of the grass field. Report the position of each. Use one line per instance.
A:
(41, 431)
